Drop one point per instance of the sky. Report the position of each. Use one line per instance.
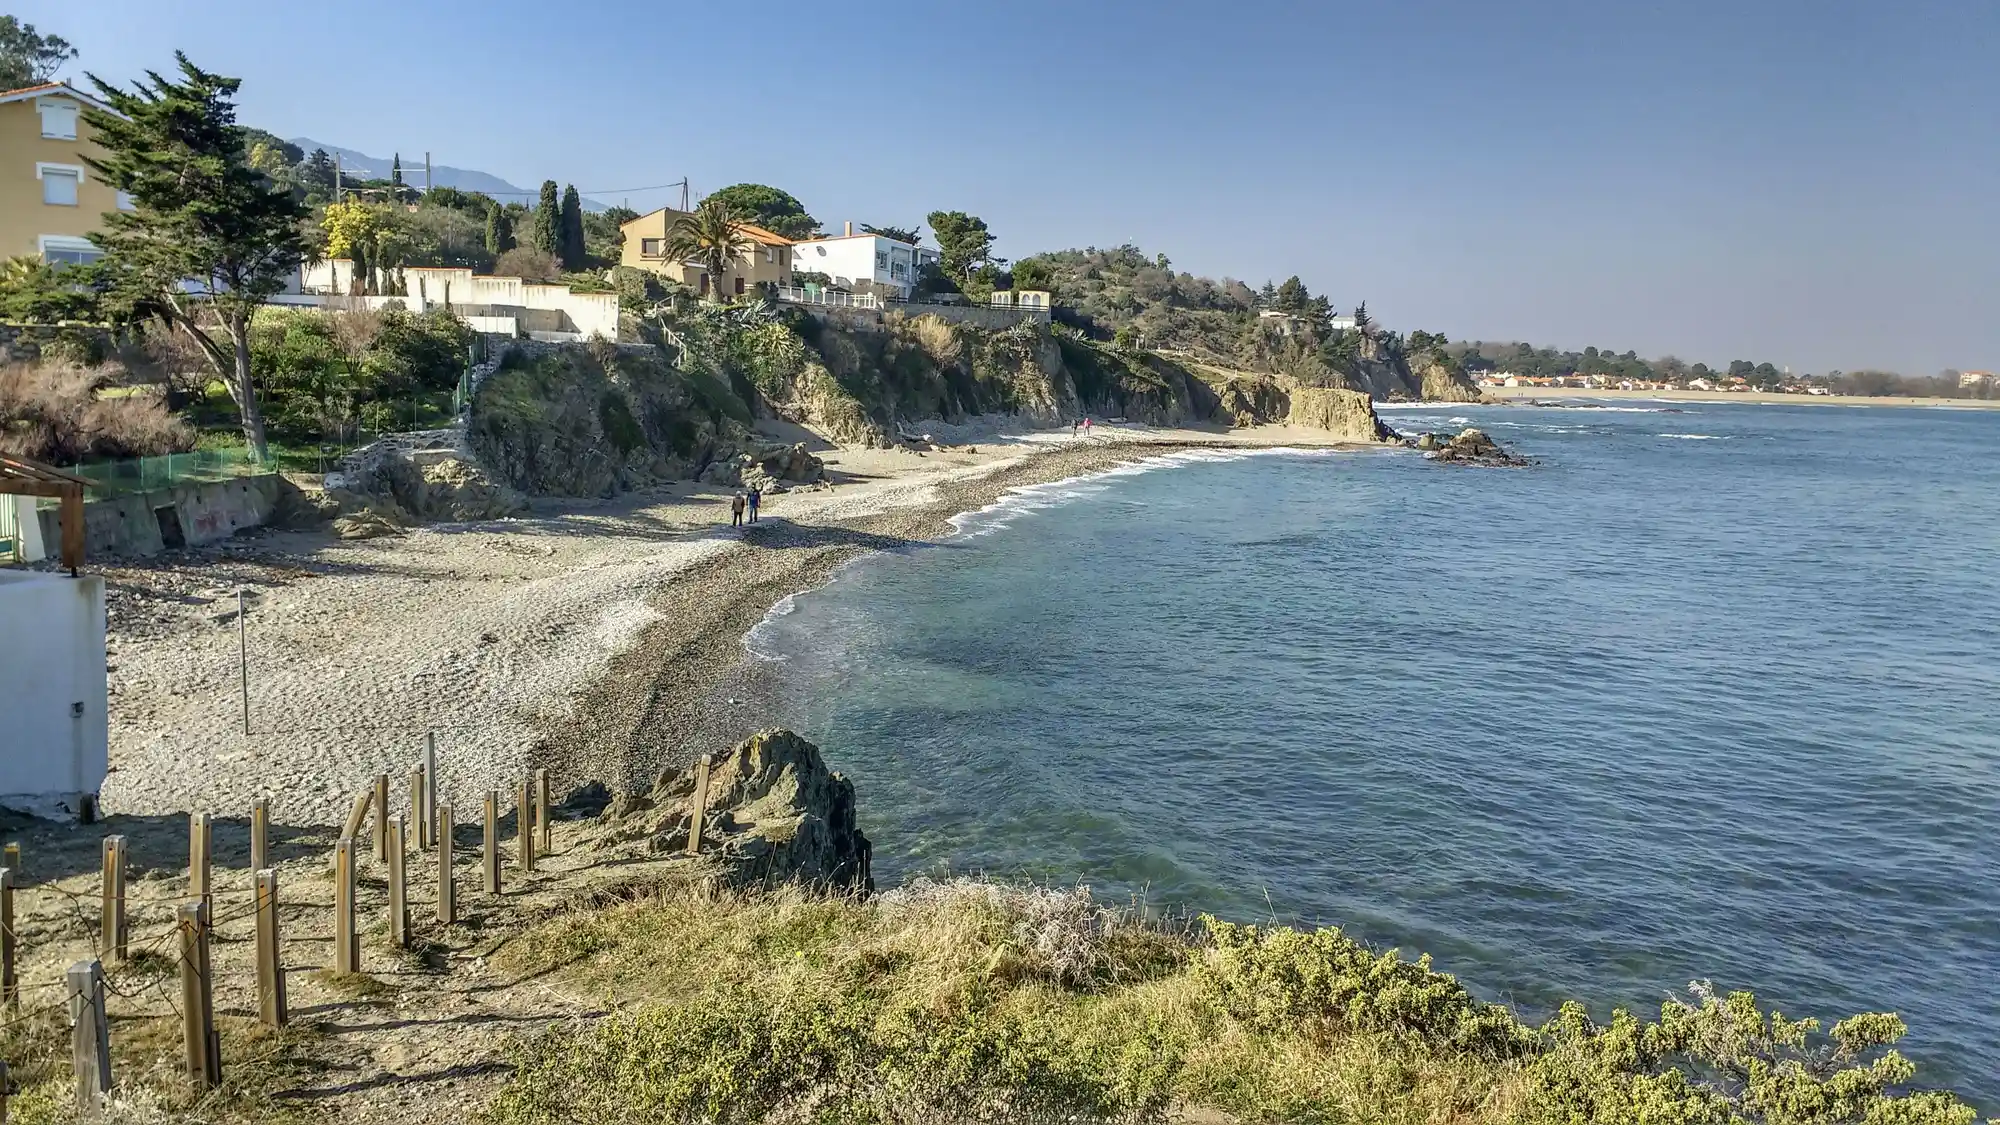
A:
(1811, 183)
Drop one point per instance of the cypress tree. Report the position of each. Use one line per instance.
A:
(499, 230)
(572, 229)
(396, 170)
(548, 222)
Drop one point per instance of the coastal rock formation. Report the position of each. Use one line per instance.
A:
(772, 468)
(775, 813)
(1348, 415)
(1467, 447)
(1437, 382)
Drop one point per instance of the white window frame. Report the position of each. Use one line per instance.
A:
(125, 202)
(65, 242)
(42, 108)
(43, 168)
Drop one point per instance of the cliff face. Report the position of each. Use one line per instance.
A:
(1348, 415)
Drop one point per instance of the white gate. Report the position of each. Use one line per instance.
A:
(10, 529)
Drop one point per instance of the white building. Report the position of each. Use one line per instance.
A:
(53, 754)
(863, 263)
(507, 306)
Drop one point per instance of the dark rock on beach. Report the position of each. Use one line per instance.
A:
(1467, 447)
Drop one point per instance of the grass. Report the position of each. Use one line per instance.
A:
(970, 1002)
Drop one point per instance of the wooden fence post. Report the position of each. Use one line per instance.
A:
(204, 1048)
(357, 817)
(10, 984)
(524, 824)
(381, 818)
(447, 889)
(492, 857)
(270, 962)
(201, 840)
(260, 833)
(89, 1038)
(700, 805)
(423, 841)
(10, 857)
(399, 887)
(111, 933)
(542, 824)
(346, 947)
(431, 783)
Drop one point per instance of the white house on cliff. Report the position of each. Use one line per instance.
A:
(863, 263)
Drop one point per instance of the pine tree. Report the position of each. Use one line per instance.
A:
(548, 221)
(396, 170)
(499, 231)
(572, 229)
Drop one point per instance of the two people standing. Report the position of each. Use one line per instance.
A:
(742, 502)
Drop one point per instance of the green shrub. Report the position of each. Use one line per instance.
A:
(620, 427)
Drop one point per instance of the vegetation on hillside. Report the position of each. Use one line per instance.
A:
(971, 1002)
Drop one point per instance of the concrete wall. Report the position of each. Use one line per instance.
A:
(981, 316)
(23, 343)
(205, 511)
(24, 218)
(537, 307)
(53, 732)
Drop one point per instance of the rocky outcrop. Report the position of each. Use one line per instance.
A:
(775, 813)
(769, 468)
(1439, 382)
(425, 476)
(1250, 400)
(1467, 447)
(1348, 415)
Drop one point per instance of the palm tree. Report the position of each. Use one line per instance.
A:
(711, 234)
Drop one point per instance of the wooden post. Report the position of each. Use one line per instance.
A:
(201, 837)
(270, 965)
(357, 817)
(10, 984)
(204, 1049)
(346, 947)
(431, 783)
(399, 887)
(524, 824)
(700, 805)
(492, 856)
(6, 1089)
(542, 825)
(89, 1038)
(447, 890)
(423, 841)
(260, 833)
(111, 920)
(243, 657)
(10, 857)
(381, 818)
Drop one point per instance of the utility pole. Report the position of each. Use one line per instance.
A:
(336, 177)
(684, 193)
(427, 173)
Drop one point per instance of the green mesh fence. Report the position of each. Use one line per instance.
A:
(147, 474)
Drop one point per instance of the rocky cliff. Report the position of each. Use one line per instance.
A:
(774, 813)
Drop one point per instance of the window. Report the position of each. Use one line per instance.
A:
(125, 201)
(704, 285)
(59, 249)
(59, 183)
(739, 287)
(881, 259)
(58, 120)
(651, 247)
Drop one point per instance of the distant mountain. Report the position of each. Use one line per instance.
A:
(363, 166)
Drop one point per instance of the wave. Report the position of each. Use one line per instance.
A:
(1696, 437)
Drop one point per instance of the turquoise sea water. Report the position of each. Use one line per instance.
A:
(1712, 694)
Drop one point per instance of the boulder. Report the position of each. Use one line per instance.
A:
(1472, 447)
(775, 813)
(1349, 415)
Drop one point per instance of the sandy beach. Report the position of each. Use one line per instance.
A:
(588, 638)
(1515, 394)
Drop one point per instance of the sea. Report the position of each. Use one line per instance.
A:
(1709, 693)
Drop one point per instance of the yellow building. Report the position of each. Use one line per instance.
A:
(50, 200)
(769, 260)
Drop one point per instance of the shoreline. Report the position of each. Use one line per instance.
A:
(1504, 396)
(587, 637)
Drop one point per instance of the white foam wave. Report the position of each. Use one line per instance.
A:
(1696, 437)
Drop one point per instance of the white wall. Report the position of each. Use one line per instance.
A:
(850, 261)
(474, 295)
(53, 730)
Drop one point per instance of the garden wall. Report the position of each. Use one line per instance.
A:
(192, 512)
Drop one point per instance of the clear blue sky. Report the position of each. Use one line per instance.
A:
(1808, 182)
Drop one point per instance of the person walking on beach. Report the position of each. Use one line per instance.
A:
(756, 497)
(1073, 424)
(736, 510)
(1086, 425)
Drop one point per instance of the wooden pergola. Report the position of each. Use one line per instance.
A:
(21, 477)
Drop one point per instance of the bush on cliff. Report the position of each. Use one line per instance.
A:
(967, 1001)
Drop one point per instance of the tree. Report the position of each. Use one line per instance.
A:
(396, 171)
(1031, 273)
(1292, 295)
(499, 231)
(528, 264)
(1362, 324)
(768, 207)
(711, 234)
(572, 229)
(548, 222)
(28, 58)
(207, 237)
(963, 242)
(1267, 297)
(316, 174)
(900, 234)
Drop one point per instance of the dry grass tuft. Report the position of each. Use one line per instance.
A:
(52, 411)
